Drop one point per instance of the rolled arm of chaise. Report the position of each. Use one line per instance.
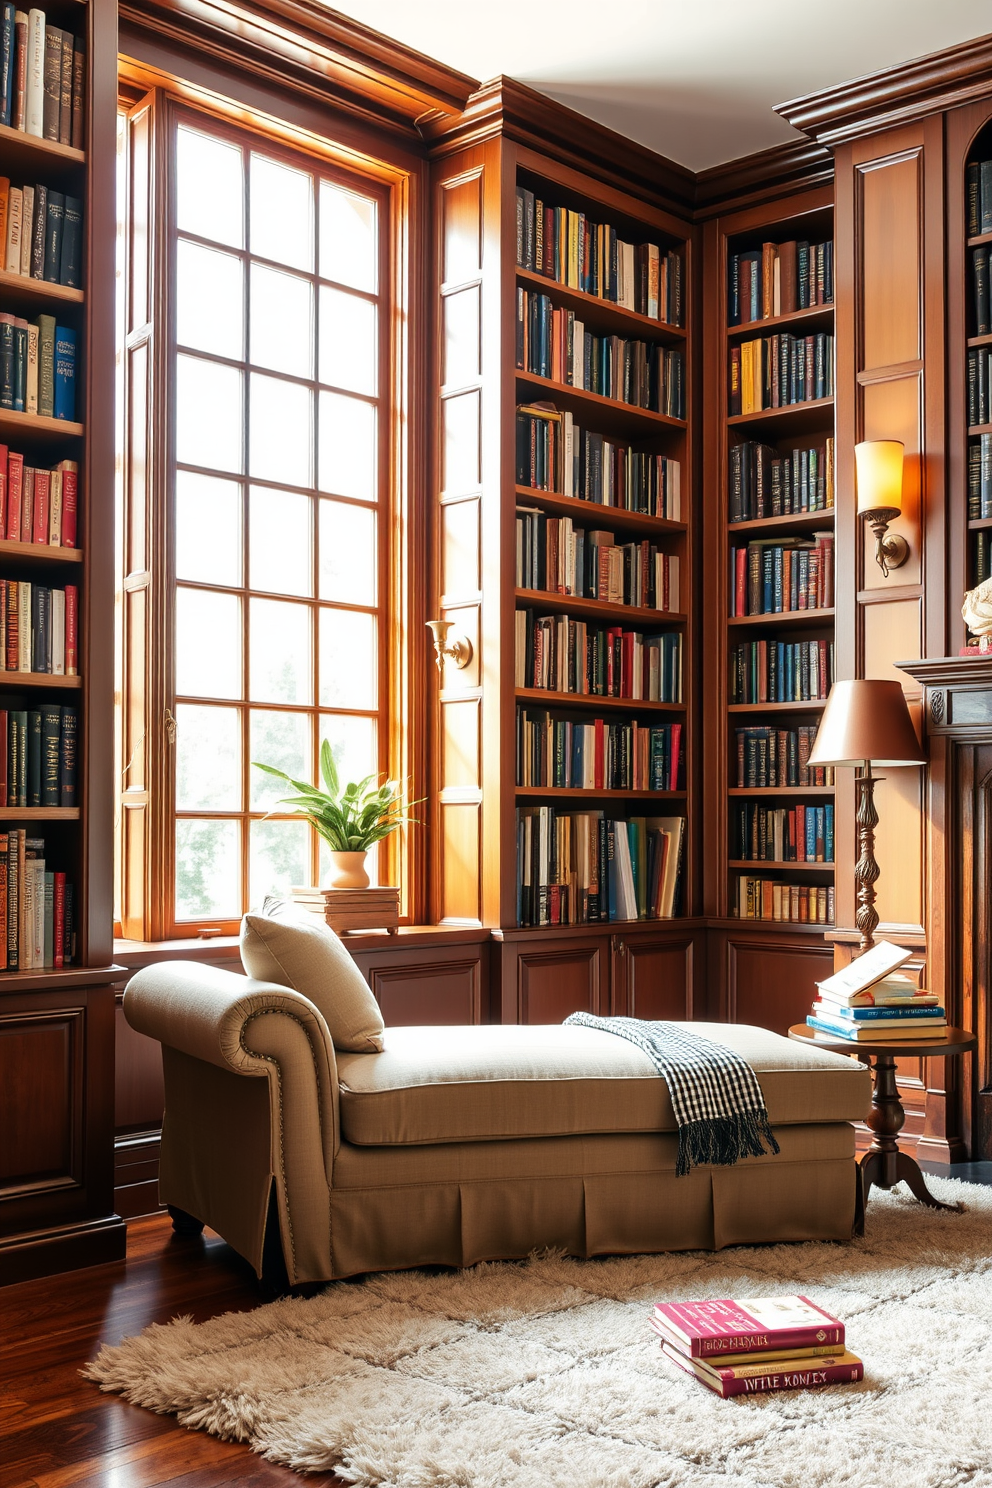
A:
(208, 1020)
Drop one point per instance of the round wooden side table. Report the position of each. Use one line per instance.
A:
(884, 1164)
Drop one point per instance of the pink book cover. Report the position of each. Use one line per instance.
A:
(724, 1326)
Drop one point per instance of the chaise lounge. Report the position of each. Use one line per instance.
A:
(289, 1107)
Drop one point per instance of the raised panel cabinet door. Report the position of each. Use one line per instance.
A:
(653, 979)
(549, 982)
(448, 992)
(772, 985)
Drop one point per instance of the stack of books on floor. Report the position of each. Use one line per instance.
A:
(747, 1348)
(871, 999)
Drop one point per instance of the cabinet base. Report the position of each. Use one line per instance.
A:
(68, 1248)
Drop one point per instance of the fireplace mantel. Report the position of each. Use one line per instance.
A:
(958, 720)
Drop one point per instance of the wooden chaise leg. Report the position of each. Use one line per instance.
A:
(184, 1224)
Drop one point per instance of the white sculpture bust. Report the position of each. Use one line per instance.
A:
(977, 611)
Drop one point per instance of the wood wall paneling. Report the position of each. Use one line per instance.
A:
(770, 982)
(892, 408)
(653, 976)
(543, 983)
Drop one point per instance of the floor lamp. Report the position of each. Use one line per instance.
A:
(866, 722)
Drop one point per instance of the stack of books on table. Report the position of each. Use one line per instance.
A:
(872, 1000)
(746, 1348)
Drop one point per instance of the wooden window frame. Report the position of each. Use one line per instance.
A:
(146, 567)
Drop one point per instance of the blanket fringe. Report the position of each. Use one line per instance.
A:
(724, 1140)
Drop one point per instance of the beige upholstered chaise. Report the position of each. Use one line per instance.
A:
(454, 1145)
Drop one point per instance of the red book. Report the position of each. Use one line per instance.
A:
(58, 919)
(600, 755)
(71, 630)
(15, 481)
(627, 665)
(676, 755)
(70, 502)
(42, 494)
(800, 813)
(740, 581)
(3, 491)
(784, 1374)
(701, 1329)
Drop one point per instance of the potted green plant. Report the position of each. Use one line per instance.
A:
(350, 818)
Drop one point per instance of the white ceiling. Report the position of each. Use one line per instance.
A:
(694, 81)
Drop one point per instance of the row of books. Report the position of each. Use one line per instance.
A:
(785, 834)
(38, 506)
(779, 279)
(38, 756)
(590, 256)
(871, 999)
(979, 379)
(978, 197)
(39, 628)
(42, 77)
(554, 455)
(982, 557)
(981, 307)
(779, 576)
(37, 907)
(37, 366)
(774, 671)
(555, 555)
(41, 233)
(559, 654)
(980, 477)
(770, 757)
(769, 899)
(555, 344)
(756, 1346)
(583, 867)
(596, 754)
(765, 482)
(778, 371)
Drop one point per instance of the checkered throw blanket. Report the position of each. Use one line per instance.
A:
(719, 1108)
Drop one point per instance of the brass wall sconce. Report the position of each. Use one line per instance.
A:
(457, 648)
(878, 463)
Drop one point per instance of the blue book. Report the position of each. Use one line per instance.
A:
(611, 871)
(828, 833)
(891, 1010)
(578, 755)
(6, 361)
(855, 1032)
(810, 835)
(65, 373)
(7, 64)
(72, 243)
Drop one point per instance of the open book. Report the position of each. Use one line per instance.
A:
(879, 962)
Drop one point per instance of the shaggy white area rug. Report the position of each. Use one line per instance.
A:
(545, 1374)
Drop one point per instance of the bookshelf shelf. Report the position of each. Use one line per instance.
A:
(794, 418)
(597, 312)
(27, 152)
(979, 524)
(39, 813)
(557, 792)
(11, 681)
(597, 515)
(807, 705)
(979, 341)
(21, 288)
(593, 701)
(781, 866)
(597, 609)
(786, 619)
(609, 414)
(780, 790)
(979, 240)
(39, 552)
(19, 425)
(816, 318)
(796, 522)
(979, 429)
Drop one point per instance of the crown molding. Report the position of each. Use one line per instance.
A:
(320, 52)
(511, 109)
(896, 95)
(762, 177)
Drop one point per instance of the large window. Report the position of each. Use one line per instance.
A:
(275, 477)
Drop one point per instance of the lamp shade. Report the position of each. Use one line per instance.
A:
(866, 721)
(878, 463)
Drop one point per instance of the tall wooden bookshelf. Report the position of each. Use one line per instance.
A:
(796, 941)
(57, 1025)
(978, 338)
(546, 971)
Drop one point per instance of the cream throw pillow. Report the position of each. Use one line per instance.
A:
(292, 947)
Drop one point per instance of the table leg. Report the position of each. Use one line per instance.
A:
(883, 1164)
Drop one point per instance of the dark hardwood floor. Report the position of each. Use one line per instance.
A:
(58, 1429)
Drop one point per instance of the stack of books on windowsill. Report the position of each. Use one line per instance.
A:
(872, 1000)
(747, 1348)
